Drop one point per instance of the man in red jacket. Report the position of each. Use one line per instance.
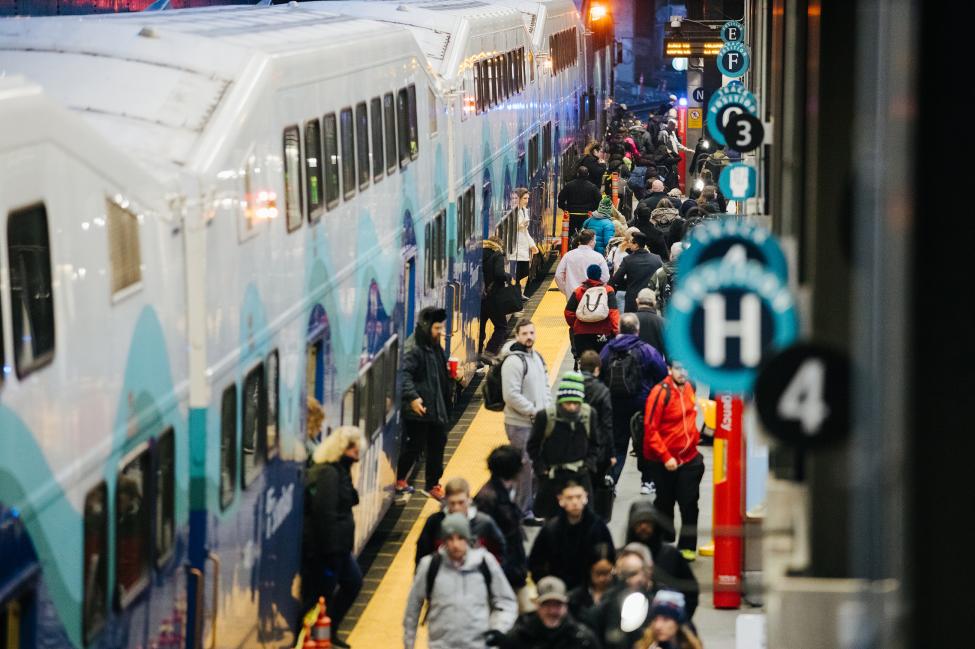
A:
(670, 438)
(592, 313)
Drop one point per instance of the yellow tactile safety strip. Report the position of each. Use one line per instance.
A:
(381, 623)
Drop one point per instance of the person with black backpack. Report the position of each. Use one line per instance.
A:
(468, 599)
(635, 271)
(630, 367)
(664, 281)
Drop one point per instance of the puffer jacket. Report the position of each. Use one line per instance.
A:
(652, 364)
(424, 373)
(329, 527)
(608, 326)
(670, 425)
(604, 228)
(460, 612)
(493, 272)
(668, 222)
(580, 196)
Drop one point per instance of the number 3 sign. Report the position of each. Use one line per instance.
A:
(803, 395)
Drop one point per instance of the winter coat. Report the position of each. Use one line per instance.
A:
(596, 169)
(530, 632)
(669, 223)
(601, 402)
(670, 570)
(493, 272)
(652, 365)
(524, 242)
(670, 431)
(571, 271)
(653, 198)
(567, 550)
(686, 205)
(685, 639)
(615, 253)
(568, 443)
(608, 326)
(424, 374)
(652, 327)
(604, 619)
(495, 501)
(634, 274)
(524, 384)
(580, 196)
(603, 226)
(655, 241)
(660, 280)
(484, 530)
(330, 496)
(459, 611)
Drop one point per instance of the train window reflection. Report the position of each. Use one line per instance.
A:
(165, 496)
(292, 178)
(95, 559)
(31, 292)
(389, 115)
(348, 153)
(331, 161)
(402, 121)
(253, 424)
(362, 143)
(414, 124)
(313, 170)
(272, 403)
(132, 529)
(376, 119)
(228, 445)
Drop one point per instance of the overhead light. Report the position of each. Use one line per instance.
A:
(597, 12)
(675, 22)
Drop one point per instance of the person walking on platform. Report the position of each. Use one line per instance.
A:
(550, 626)
(426, 399)
(646, 525)
(590, 160)
(524, 246)
(591, 312)
(651, 324)
(600, 402)
(674, 465)
(635, 272)
(524, 386)
(484, 531)
(634, 570)
(657, 192)
(664, 281)
(667, 624)
(655, 241)
(495, 277)
(630, 368)
(466, 593)
(569, 542)
(602, 224)
(494, 499)
(571, 270)
(329, 569)
(668, 222)
(584, 597)
(564, 444)
(579, 197)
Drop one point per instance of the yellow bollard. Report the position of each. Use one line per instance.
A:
(710, 410)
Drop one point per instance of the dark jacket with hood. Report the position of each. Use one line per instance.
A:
(493, 272)
(567, 551)
(655, 241)
(495, 501)
(580, 196)
(530, 633)
(634, 274)
(604, 618)
(484, 531)
(670, 569)
(652, 364)
(599, 399)
(424, 371)
(596, 169)
(651, 327)
(652, 199)
(330, 496)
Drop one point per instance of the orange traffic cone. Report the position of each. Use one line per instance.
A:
(322, 631)
(565, 232)
(309, 642)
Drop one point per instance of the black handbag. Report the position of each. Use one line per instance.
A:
(507, 298)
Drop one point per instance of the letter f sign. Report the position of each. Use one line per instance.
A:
(717, 330)
(733, 58)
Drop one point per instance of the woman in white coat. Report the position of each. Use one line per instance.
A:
(525, 246)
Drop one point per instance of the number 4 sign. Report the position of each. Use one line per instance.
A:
(803, 395)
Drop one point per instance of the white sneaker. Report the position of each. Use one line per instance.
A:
(646, 489)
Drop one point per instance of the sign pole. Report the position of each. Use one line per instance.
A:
(728, 519)
(682, 135)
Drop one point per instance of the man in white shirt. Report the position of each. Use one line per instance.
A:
(571, 271)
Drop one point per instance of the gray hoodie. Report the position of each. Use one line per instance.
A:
(525, 389)
(460, 613)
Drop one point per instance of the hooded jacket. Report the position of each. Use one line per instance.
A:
(495, 501)
(670, 426)
(460, 612)
(652, 364)
(652, 199)
(607, 326)
(668, 222)
(531, 633)
(524, 384)
(569, 442)
(660, 280)
(601, 402)
(602, 225)
(424, 372)
(580, 196)
(604, 618)
(493, 271)
(655, 241)
(567, 550)
(484, 530)
(634, 274)
(651, 326)
(596, 169)
(670, 569)
(329, 526)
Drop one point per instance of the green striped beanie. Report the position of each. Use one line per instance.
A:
(571, 388)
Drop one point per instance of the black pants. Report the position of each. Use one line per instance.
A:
(682, 487)
(337, 578)
(622, 414)
(419, 435)
(521, 270)
(500, 333)
(585, 342)
(575, 224)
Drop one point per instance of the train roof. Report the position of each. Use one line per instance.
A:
(448, 31)
(181, 68)
(537, 14)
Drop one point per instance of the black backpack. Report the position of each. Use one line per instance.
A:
(667, 291)
(491, 390)
(434, 568)
(625, 377)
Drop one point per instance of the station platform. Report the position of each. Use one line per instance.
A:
(375, 620)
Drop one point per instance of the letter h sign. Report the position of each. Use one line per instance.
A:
(718, 329)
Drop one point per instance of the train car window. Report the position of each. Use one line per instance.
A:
(95, 557)
(273, 393)
(428, 244)
(165, 495)
(332, 189)
(471, 212)
(531, 67)
(292, 178)
(432, 111)
(414, 124)
(348, 153)
(389, 115)
(376, 119)
(547, 143)
(490, 98)
(461, 225)
(228, 445)
(123, 246)
(478, 88)
(254, 424)
(402, 121)
(552, 52)
(503, 76)
(31, 290)
(392, 375)
(313, 170)
(374, 409)
(441, 242)
(362, 143)
(3, 356)
(348, 407)
(132, 529)
(532, 156)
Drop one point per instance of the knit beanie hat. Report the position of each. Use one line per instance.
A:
(455, 524)
(594, 271)
(605, 207)
(668, 603)
(575, 377)
(571, 389)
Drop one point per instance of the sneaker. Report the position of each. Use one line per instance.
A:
(646, 489)
(689, 555)
(403, 488)
(435, 492)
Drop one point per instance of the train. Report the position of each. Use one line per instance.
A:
(212, 215)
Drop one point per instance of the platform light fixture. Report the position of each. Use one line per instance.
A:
(597, 12)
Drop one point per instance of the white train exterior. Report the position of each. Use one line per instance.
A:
(243, 207)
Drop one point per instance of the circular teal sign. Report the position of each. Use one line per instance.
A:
(734, 59)
(724, 319)
(738, 181)
(729, 238)
(736, 98)
(733, 32)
